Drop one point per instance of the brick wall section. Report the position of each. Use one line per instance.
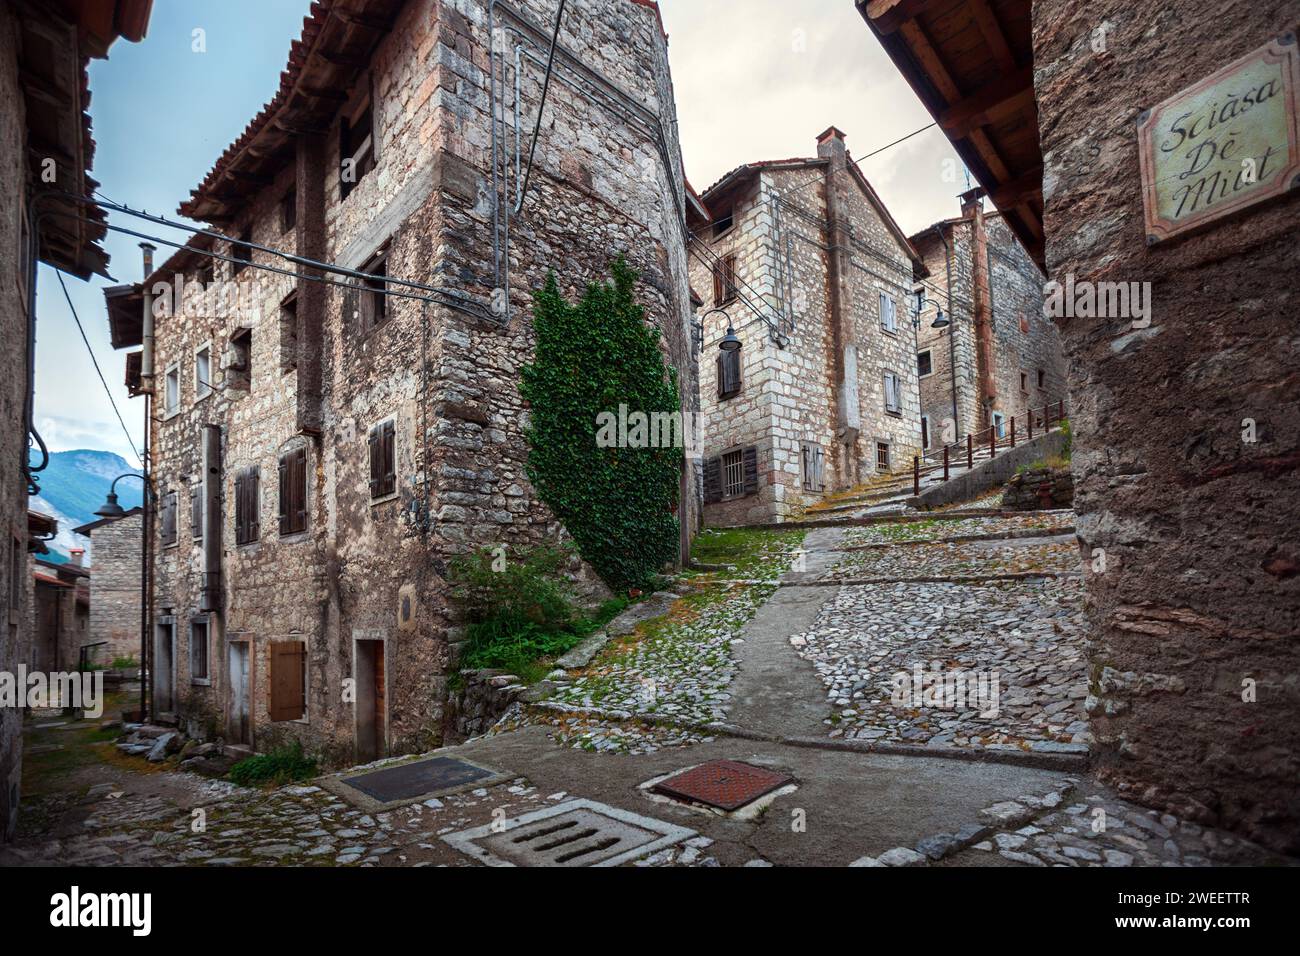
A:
(1201, 591)
(359, 571)
(115, 589)
(790, 395)
(1015, 301)
(13, 385)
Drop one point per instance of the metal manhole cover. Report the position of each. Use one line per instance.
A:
(725, 784)
(418, 778)
(574, 833)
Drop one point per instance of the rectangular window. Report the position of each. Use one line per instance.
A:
(1024, 381)
(200, 653)
(882, 455)
(893, 394)
(168, 519)
(288, 680)
(196, 511)
(888, 313)
(289, 333)
(247, 525)
(999, 425)
(289, 210)
(924, 363)
(1041, 378)
(724, 280)
(356, 149)
(733, 474)
(203, 372)
(383, 472)
(238, 362)
(925, 431)
(293, 491)
(172, 390)
(241, 254)
(724, 222)
(373, 304)
(729, 373)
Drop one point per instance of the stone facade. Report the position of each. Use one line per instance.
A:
(814, 251)
(363, 585)
(1035, 489)
(1196, 699)
(115, 588)
(60, 616)
(1024, 366)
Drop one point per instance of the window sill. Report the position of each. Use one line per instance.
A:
(201, 681)
(385, 499)
(169, 415)
(295, 537)
(199, 398)
(893, 414)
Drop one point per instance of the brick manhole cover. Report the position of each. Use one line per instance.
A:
(574, 833)
(416, 780)
(725, 784)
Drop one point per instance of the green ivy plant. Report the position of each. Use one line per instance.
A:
(593, 356)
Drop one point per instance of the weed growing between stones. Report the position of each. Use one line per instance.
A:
(277, 767)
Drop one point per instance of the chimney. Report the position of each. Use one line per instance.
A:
(830, 145)
(971, 200)
(76, 556)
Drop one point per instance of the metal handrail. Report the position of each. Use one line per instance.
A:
(986, 438)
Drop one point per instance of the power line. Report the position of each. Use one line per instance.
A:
(129, 440)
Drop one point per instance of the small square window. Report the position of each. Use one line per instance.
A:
(882, 456)
(924, 363)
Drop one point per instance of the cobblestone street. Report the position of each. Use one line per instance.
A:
(745, 668)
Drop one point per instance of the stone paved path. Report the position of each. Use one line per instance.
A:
(801, 676)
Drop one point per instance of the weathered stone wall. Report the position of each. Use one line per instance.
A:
(115, 589)
(1035, 489)
(13, 387)
(1024, 342)
(362, 571)
(1194, 656)
(789, 395)
(480, 700)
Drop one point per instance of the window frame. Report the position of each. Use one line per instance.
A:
(248, 533)
(891, 326)
(897, 408)
(203, 389)
(383, 436)
(929, 353)
(172, 376)
(204, 621)
(888, 465)
(738, 465)
(294, 521)
(372, 300)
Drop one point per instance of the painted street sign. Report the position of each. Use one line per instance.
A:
(1227, 142)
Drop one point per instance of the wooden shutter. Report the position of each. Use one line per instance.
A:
(299, 488)
(719, 285)
(389, 462)
(288, 660)
(728, 373)
(712, 480)
(241, 516)
(376, 466)
(751, 470)
(285, 495)
(196, 512)
(254, 519)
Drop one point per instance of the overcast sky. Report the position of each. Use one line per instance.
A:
(754, 79)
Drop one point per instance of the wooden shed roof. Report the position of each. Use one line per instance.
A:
(971, 64)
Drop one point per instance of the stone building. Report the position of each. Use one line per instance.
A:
(805, 263)
(115, 588)
(45, 153)
(60, 614)
(1186, 409)
(322, 449)
(998, 356)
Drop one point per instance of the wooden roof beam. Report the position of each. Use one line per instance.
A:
(889, 15)
(1028, 185)
(987, 22)
(1005, 94)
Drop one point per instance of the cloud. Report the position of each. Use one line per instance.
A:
(759, 79)
(67, 434)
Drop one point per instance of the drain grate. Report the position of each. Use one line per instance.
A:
(725, 784)
(575, 833)
(389, 787)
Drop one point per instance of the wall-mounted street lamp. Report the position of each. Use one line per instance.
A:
(730, 342)
(110, 508)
